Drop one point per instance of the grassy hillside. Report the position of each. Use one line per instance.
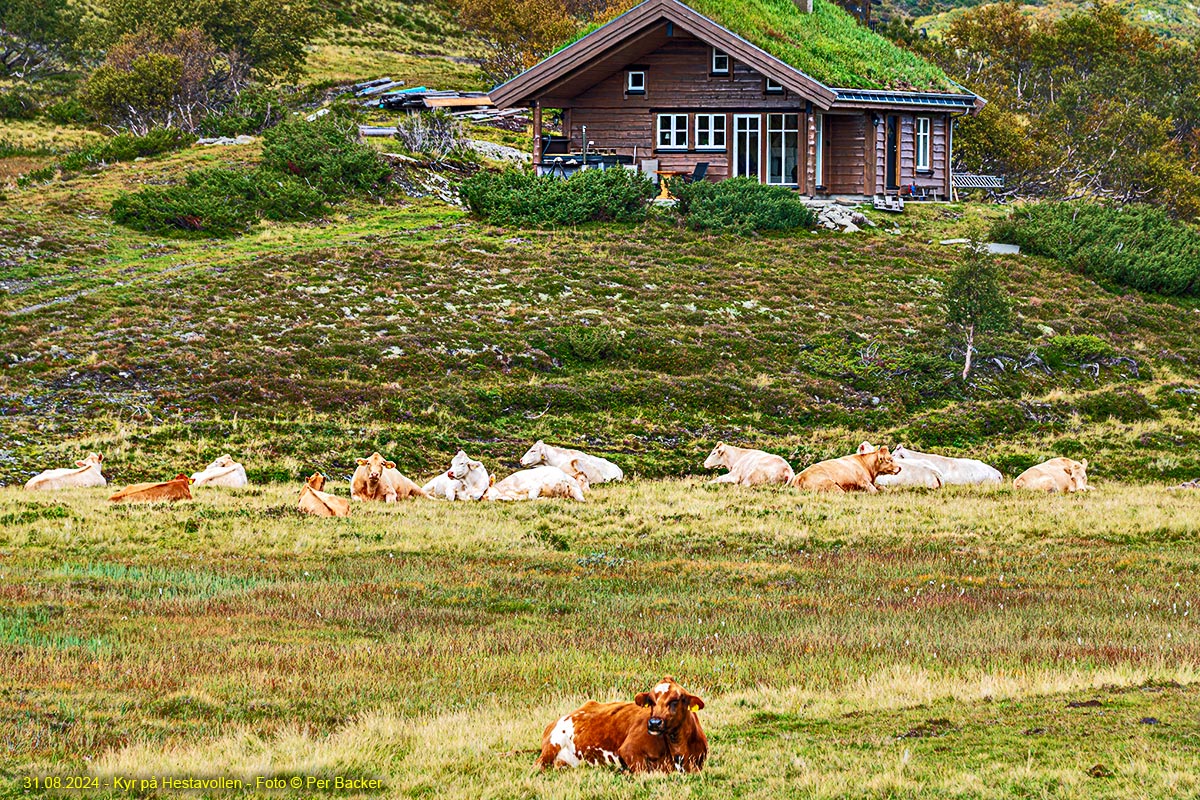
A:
(406, 327)
(1172, 18)
(974, 643)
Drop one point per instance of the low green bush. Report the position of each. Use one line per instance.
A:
(326, 154)
(67, 112)
(1137, 246)
(219, 202)
(16, 104)
(1071, 349)
(255, 109)
(524, 199)
(741, 205)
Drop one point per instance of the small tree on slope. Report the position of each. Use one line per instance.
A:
(975, 300)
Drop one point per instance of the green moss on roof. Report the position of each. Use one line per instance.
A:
(828, 44)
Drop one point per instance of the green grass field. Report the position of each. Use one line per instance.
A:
(902, 645)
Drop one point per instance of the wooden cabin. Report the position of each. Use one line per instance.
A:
(787, 92)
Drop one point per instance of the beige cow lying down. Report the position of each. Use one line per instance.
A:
(170, 491)
(597, 470)
(86, 472)
(377, 479)
(530, 484)
(748, 467)
(856, 473)
(1055, 475)
(467, 479)
(320, 504)
(913, 473)
(223, 472)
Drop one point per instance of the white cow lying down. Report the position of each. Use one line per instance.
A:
(954, 470)
(912, 472)
(86, 472)
(748, 467)
(467, 479)
(598, 470)
(222, 472)
(530, 484)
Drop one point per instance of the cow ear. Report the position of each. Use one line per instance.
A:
(695, 703)
(883, 451)
(81, 463)
(390, 464)
(362, 462)
(643, 699)
(1084, 463)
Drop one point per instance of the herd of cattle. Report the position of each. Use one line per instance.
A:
(559, 472)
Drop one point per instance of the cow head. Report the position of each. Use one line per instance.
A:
(316, 481)
(884, 464)
(181, 477)
(92, 459)
(224, 461)
(866, 447)
(575, 471)
(901, 453)
(1079, 476)
(534, 455)
(462, 464)
(670, 706)
(375, 466)
(718, 457)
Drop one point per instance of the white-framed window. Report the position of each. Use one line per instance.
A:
(819, 162)
(635, 81)
(923, 142)
(720, 62)
(710, 131)
(783, 149)
(774, 87)
(672, 131)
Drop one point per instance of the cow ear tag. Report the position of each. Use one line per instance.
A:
(694, 708)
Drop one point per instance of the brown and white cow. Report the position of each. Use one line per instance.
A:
(1055, 475)
(86, 472)
(913, 473)
(172, 490)
(748, 467)
(658, 731)
(377, 479)
(856, 473)
(321, 504)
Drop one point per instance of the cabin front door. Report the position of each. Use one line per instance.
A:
(892, 166)
(747, 145)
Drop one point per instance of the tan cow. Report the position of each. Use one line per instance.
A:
(377, 479)
(1055, 475)
(913, 473)
(172, 490)
(222, 472)
(320, 504)
(748, 467)
(85, 473)
(856, 473)
(530, 484)
(658, 732)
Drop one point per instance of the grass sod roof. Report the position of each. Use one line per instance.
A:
(828, 45)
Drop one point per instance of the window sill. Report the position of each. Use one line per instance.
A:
(925, 173)
(711, 150)
(718, 74)
(637, 92)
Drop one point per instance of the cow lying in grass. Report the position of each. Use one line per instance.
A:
(223, 472)
(955, 471)
(748, 467)
(914, 473)
(530, 484)
(658, 732)
(171, 491)
(597, 470)
(377, 479)
(1055, 475)
(467, 479)
(856, 473)
(320, 504)
(85, 473)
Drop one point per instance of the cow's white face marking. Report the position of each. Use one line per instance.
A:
(563, 737)
(662, 687)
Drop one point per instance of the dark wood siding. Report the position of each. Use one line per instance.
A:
(935, 177)
(678, 81)
(845, 153)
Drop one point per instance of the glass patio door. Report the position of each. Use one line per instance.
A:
(747, 145)
(783, 149)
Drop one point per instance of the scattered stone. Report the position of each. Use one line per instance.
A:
(1149, 721)
(1100, 771)
(499, 152)
(838, 215)
(221, 141)
(1192, 484)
